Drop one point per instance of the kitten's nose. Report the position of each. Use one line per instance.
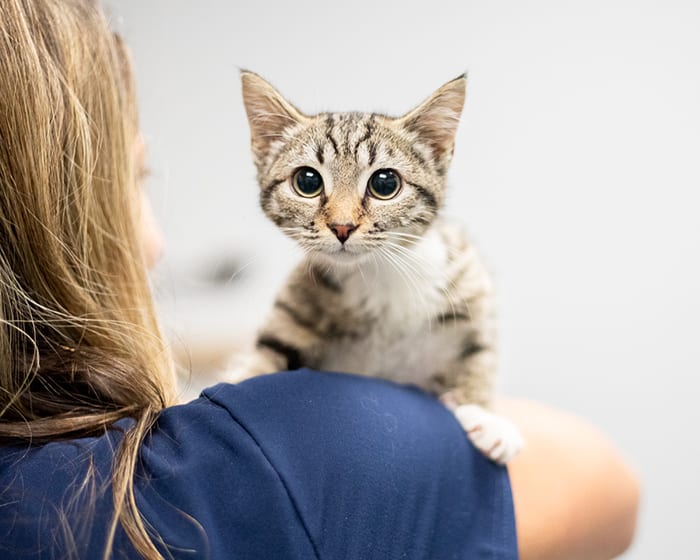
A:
(342, 231)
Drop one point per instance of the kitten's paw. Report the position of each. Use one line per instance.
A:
(496, 437)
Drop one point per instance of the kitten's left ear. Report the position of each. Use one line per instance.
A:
(436, 119)
(269, 114)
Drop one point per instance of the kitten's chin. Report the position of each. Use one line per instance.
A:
(342, 257)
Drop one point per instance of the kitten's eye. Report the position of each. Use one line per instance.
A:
(384, 184)
(307, 182)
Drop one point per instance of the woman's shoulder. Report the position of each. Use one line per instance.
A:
(308, 465)
(369, 469)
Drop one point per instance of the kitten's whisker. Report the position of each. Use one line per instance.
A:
(405, 267)
(362, 274)
(329, 266)
(376, 262)
(309, 271)
(388, 257)
(429, 271)
(396, 265)
(424, 266)
(240, 270)
(403, 234)
(291, 229)
(409, 236)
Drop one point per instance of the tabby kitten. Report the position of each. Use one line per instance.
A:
(387, 288)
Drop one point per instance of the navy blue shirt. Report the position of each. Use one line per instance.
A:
(298, 465)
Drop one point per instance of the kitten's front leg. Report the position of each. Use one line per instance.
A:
(293, 334)
(470, 400)
(248, 364)
(278, 347)
(466, 384)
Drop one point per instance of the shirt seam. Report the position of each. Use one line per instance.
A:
(290, 497)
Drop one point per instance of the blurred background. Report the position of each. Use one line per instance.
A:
(576, 171)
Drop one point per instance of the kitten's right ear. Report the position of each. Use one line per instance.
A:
(269, 114)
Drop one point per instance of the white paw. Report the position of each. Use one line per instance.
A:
(495, 436)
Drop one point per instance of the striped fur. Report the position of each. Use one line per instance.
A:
(405, 296)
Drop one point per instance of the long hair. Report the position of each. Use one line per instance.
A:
(80, 346)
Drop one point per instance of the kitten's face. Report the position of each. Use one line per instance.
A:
(347, 186)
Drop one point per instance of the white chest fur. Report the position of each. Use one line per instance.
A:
(406, 292)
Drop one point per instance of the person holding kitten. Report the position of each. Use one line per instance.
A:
(98, 459)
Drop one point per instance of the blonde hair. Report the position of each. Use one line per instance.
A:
(80, 346)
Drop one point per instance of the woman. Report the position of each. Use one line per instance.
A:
(95, 459)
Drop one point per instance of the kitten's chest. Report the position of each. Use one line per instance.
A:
(404, 287)
(400, 335)
(414, 357)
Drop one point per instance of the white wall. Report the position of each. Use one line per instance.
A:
(576, 171)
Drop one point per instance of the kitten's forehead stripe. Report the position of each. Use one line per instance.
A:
(372, 152)
(348, 125)
(329, 133)
(369, 129)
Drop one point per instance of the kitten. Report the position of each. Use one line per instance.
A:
(387, 288)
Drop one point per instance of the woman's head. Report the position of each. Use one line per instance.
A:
(78, 337)
(79, 342)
